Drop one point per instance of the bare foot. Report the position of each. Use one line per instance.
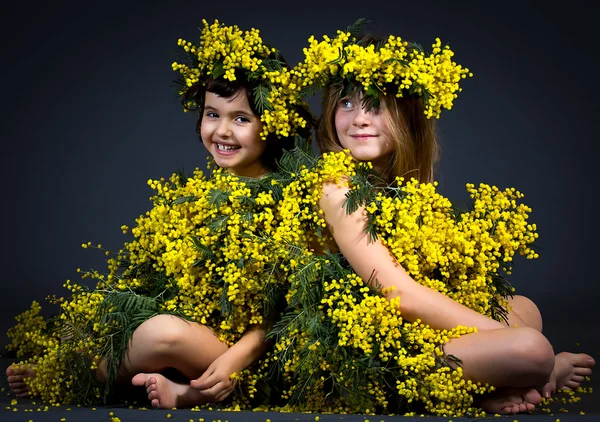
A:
(508, 401)
(166, 394)
(16, 379)
(571, 369)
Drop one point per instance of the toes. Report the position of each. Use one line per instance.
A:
(16, 378)
(155, 403)
(583, 360)
(139, 380)
(151, 388)
(506, 410)
(152, 395)
(585, 372)
(529, 407)
(573, 385)
(532, 396)
(14, 385)
(9, 371)
(589, 361)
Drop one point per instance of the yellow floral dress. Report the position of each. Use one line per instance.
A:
(341, 346)
(230, 252)
(202, 252)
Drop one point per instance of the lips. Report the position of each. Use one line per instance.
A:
(363, 136)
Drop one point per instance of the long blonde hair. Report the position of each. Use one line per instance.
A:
(416, 148)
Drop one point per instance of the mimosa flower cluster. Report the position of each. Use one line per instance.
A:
(230, 53)
(64, 350)
(343, 346)
(202, 252)
(397, 68)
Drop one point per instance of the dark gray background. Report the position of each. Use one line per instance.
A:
(89, 116)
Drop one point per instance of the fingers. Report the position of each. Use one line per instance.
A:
(215, 390)
(223, 394)
(205, 381)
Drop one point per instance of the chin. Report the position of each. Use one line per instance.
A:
(361, 156)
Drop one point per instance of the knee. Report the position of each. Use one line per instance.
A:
(528, 311)
(161, 333)
(536, 353)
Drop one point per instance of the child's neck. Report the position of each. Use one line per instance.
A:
(254, 173)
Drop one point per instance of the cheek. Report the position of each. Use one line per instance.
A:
(338, 121)
(341, 123)
(205, 130)
(257, 146)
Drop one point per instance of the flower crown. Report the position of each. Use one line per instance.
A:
(226, 51)
(351, 63)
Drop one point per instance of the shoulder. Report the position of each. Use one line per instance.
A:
(334, 193)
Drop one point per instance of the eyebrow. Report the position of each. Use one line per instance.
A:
(246, 112)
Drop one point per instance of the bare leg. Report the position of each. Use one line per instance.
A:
(162, 342)
(570, 369)
(524, 312)
(166, 341)
(522, 358)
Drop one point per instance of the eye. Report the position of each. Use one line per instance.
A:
(211, 114)
(242, 119)
(346, 103)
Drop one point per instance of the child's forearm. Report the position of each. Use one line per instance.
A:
(438, 310)
(250, 346)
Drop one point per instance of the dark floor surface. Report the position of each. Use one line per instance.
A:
(573, 337)
(587, 409)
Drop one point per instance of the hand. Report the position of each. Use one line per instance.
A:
(215, 383)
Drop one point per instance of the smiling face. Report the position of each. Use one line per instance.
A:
(364, 133)
(230, 131)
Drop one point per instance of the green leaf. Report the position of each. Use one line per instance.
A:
(273, 64)
(218, 70)
(261, 95)
(357, 27)
(183, 199)
(205, 252)
(216, 197)
(218, 223)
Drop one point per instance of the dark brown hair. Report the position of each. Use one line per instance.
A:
(193, 100)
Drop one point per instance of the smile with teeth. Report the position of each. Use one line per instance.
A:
(223, 147)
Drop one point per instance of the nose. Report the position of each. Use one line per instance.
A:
(223, 130)
(362, 118)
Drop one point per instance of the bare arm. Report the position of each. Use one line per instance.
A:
(216, 383)
(416, 300)
(249, 347)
